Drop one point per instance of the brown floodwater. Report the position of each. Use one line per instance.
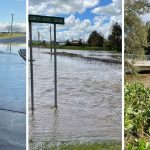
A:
(89, 101)
(143, 78)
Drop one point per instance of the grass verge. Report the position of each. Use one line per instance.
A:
(87, 146)
(7, 35)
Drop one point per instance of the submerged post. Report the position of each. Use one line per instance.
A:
(44, 19)
(31, 66)
(55, 66)
(50, 38)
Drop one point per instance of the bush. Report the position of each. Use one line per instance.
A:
(137, 117)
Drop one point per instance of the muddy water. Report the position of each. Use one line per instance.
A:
(12, 98)
(143, 78)
(89, 101)
(96, 54)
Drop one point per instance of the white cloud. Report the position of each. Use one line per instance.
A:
(112, 9)
(75, 28)
(54, 7)
(17, 27)
(112, 12)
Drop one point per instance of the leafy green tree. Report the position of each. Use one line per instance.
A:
(116, 37)
(137, 6)
(135, 29)
(135, 35)
(148, 38)
(95, 39)
(80, 43)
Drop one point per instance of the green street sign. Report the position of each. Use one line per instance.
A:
(46, 19)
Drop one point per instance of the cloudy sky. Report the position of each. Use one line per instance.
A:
(16, 7)
(81, 17)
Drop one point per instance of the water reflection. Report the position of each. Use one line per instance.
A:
(12, 98)
(11, 47)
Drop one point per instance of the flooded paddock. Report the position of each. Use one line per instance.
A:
(89, 100)
(12, 98)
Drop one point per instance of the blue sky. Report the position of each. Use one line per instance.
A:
(81, 16)
(87, 13)
(17, 7)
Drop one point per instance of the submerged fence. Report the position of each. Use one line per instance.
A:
(138, 57)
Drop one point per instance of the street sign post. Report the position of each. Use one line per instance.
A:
(46, 19)
(51, 20)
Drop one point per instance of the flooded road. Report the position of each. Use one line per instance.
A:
(12, 98)
(89, 100)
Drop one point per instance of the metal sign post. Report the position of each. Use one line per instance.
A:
(44, 19)
(55, 66)
(50, 39)
(31, 67)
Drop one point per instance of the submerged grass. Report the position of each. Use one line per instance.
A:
(85, 146)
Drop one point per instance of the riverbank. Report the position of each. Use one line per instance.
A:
(87, 146)
(142, 78)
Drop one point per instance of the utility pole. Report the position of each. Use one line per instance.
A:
(42, 38)
(12, 19)
(50, 39)
(38, 34)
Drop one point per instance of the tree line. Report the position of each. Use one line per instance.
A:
(95, 39)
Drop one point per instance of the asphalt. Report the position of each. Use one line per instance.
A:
(13, 40)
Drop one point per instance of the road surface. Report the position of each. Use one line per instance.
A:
(13, 40)
(12, 98)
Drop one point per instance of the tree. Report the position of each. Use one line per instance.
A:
(95, 39)
(135, 35)
(135, 30)
(148, 38)
(68, 43)
(116, 37)
(137, 6)
(80, 43)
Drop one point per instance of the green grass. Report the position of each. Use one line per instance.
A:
(7, 35)
(82, 48)
(87, 146)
